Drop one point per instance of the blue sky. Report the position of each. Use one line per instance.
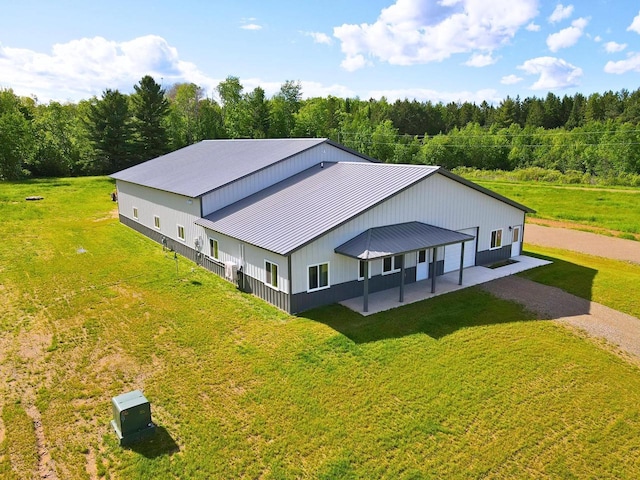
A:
(438, 50)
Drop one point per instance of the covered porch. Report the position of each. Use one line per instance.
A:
(418, 291)
(395, 241)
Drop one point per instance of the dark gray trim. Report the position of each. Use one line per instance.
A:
(342, 291)
(253, 286)
(487, 257)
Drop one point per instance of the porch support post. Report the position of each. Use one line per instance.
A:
(433, 270)
(402, 280)
(365, 306)
(461, 263)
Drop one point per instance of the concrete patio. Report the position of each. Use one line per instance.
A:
(417, 291)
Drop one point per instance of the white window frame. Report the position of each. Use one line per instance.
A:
(183, 237)
(360, 278)
(156, 222)
(268, 275)
(319, 287)
(394, 268)
(498, 239)
(212, 242)
(135, 213)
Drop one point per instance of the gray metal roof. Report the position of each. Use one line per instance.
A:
(397, 239)
(202, 167)
(292, 213)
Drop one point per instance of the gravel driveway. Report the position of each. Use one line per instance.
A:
(547, 302)
(553, 303)
(584, 242)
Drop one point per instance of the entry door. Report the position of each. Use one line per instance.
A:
(516, 243)
(422, 266)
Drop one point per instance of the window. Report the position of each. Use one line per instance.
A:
(391, 264)
(181, 232)
(213, 248)
(271, 274)
(156, 221)
(318, 277)
(135, 213)
(516, 234)
(496, 239)
(361, 270)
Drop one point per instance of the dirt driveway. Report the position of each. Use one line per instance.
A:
(584, 242)
(546, 302)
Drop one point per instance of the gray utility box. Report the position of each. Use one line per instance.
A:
(132, 417)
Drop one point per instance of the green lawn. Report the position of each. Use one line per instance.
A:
(611, 208)
(461, 386)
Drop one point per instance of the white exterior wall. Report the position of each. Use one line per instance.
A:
(172, 209)
(273, 174)
(436, 200)
(229, 250)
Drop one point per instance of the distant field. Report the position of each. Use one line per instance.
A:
(461, 386)
(610, 208)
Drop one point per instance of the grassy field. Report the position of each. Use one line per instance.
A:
(613, 209)
(461, 386)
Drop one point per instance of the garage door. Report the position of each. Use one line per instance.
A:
(452, 252)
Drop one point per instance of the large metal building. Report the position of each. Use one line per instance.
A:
(307, 222)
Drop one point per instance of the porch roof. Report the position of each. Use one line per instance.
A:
(398, 239)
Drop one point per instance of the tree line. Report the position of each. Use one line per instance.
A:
(594, 135)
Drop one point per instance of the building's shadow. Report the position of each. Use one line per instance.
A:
(471, 307)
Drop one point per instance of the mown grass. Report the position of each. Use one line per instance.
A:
(460, 386)
(613, 209)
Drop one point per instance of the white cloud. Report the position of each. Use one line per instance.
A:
(631, 64)
(413, 32)
(613, 47)
(422, 94)
(82, 68)
(597, 38)
(560, 13)
(567, 37)
(480, 60)
(635, 25)
(511, 80)
(85, 67)
(251, 26)
(533, 27)
(353, 63)
(553, 73)
(319, 37)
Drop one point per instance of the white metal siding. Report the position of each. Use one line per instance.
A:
(436, 200)
(254, 257)
(172, 209)
(273, 174)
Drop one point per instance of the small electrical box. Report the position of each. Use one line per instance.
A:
(132, 417)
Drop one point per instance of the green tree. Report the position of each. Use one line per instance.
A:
(284, 106)
(110, 131)
(16, 136)
(184, 114)
(150, 109)
(58, 143)
(234, 114)
(257, 113)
